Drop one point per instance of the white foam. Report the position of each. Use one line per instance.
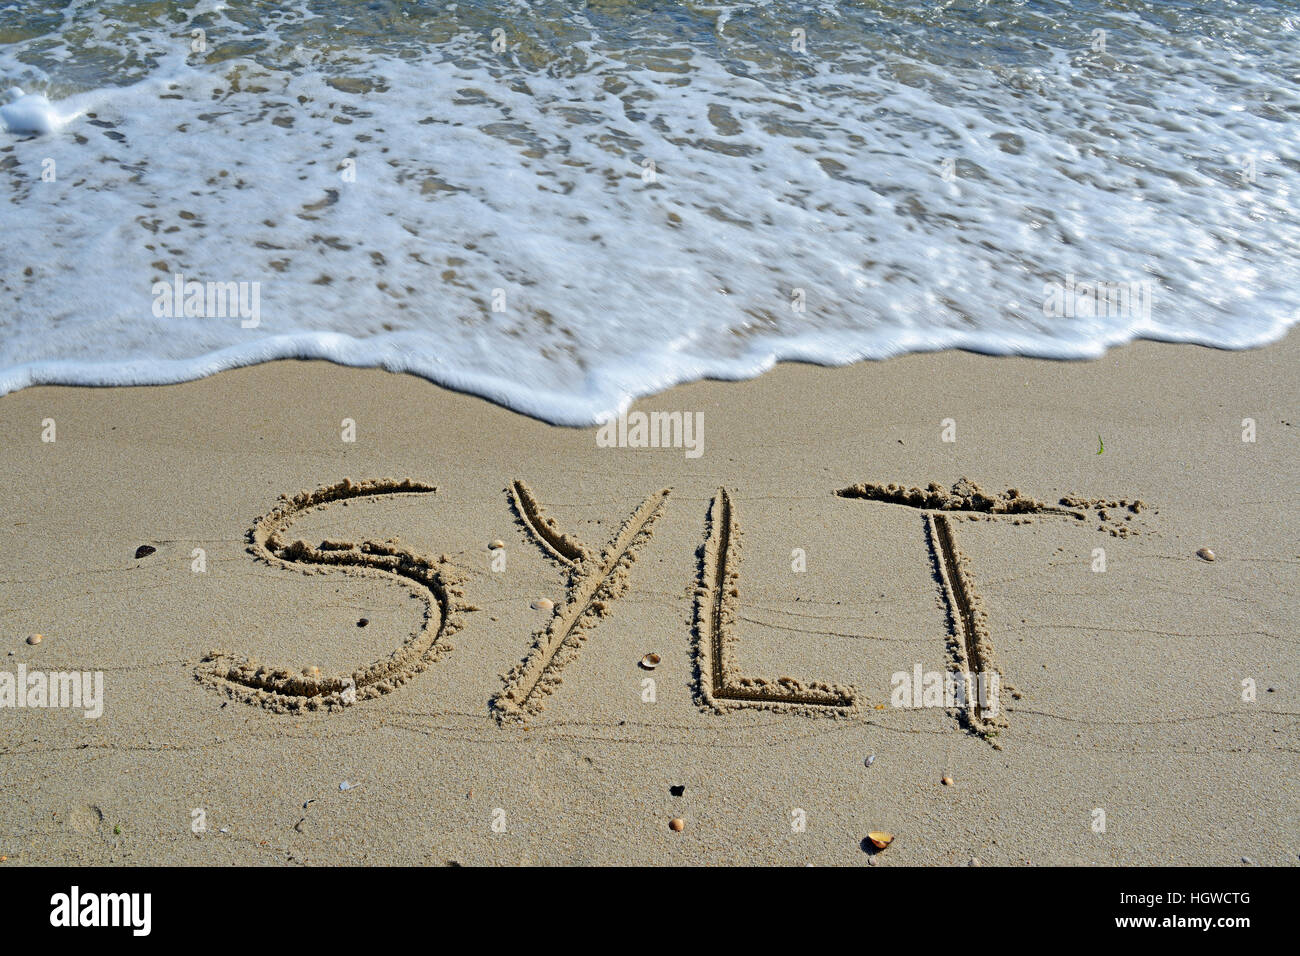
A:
(30, 113)
(477, 172)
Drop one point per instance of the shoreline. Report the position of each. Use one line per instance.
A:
(576, 412)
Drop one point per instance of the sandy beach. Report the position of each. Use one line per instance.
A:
(1147, 711)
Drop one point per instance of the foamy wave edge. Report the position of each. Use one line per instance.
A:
(607, 392)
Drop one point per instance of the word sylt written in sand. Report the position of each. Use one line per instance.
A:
(596, 580)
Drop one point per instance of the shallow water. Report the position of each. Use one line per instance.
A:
(394, 191)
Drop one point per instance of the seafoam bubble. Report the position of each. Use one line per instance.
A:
(30, 113)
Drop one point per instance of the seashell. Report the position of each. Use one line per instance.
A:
(677, 824)
(496, 545)
(1205, 554)
(870, 760)
(880, 839)
(650, 661)
(144, 551)
(363, 622)
(35, 639)
(543, 604)
(947, 781)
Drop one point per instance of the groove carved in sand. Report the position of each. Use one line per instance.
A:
(971, 647)
(719, 686)
(433, 582)
(595, 580)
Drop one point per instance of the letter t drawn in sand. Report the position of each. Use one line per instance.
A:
(971, 647)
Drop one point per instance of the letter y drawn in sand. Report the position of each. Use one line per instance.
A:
(595, 580)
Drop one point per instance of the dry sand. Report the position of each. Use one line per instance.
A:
(1121, 691)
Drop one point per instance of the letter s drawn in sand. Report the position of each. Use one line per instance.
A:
(280, 689)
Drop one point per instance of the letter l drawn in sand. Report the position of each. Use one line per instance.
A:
(719, 686)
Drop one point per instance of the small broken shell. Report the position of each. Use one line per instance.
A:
(1205, 554)
(650, 661)
(677, 824)
(35, 639)
(496, 545)
(880, 839)
(543, 604)
(870, 760)
(144, 551)
(947, 781)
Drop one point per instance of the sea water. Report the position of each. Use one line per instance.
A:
(565, 205)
